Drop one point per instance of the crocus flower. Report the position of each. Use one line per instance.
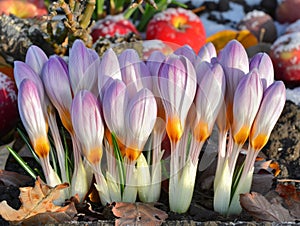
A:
(115, 101)
(270, 109)
(208, 100)
(177, 87)
(24, 71)
(83, 68)
(61, 96)
(246, 103)
(32, 116)
(89, 129)
(109, 68)
(234, 59)
(263, 63)
(36, 58)
(186, 51)
(135, 73)
(57, 86)
(207, 52)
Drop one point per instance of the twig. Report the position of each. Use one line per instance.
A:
(288, 180)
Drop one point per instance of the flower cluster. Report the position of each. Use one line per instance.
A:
(118, 109)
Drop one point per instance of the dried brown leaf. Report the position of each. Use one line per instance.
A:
(52, 217)
(291, 198)
(261, 209)
(35, 200)
(13, 178)
(138, 214)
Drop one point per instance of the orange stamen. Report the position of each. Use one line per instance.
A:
(174, 128)
(201, 132)
(241, 136)
(41, 146)
(259, 141)
(132, 153)
(94, 156)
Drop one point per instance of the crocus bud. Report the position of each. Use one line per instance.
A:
(140, 118)
(109, 68)
(83, 68)
(31, 114)
(115, 101)
(135, 73)
(246, 103)
(177, 86)
(186, 51)
(88, 125)
(208, 100)
(234, 60)
(57, 87)
(207, 52)
(36, 58)
(263, 63)
(268, 114)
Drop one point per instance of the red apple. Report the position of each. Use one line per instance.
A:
(285, 54)
(288, 11)
(178, 26)
(8, 105)
(112, 25)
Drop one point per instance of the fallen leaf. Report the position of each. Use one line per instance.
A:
(262, 183)
(221, 38)
(291, 198)
(262, 166)
(138, 214)
(261, 209)
(35, 200)
(15, 179)
(52, 217)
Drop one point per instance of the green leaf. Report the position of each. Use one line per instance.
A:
(27, 142)
(120, 162)
(236, 178)
(22, 162)
(68, 162)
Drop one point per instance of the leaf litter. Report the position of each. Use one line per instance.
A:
(138, 214)
(38, 206)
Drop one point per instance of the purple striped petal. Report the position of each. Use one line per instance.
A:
(32, 117)
(36, 58)
(115, 100)
(58, 89)
(140, 118)
(83, 67)
(88, 125)
(246, 103)
(263, 63)
(270, 109)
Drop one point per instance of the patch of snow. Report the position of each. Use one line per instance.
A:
(280, 28)
(293, 95)
(252, 2)
(293, 27)
(235, 14)
(287, 43)
(211, 27)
